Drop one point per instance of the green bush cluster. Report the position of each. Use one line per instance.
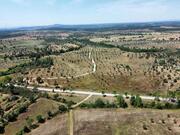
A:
(136, 101)
(99, 103)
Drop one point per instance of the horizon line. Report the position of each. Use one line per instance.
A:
(84, 24)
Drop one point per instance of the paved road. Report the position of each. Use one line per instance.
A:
(91, 93)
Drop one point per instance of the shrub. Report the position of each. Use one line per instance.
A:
(50, 114)
(152, 120)
(39, 80)
(99, 103)
(136, 101)
(110, 105)
(32, 99)
(62, 108)
(40, 119)
(162, 62)
(26, 129)
(2, 128)
(45, 95)
(178, 104)
(56, 96)
(83, 105)
(6, 79)
(29, 122)
(22, 109)
(70, 103)
(1, 112)
(158, 106)
(11, 117)
(132, 100)
(144, 127)
(121, 102)
(21, 132)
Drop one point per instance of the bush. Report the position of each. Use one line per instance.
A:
(11, 117)
(99, 103)
(162, 62)
(168, 105)
(136, 101)
(56, 96)
(45, 95)
(62, 108)
(6, 79)
(20, 132)
(39, 80)
(50, 114)
(32, 99)
(26, 129)
(144, 127)
(1, 112)
(132, 100)
(178, 104)
(121, 102)
(83, 105)
(110, 105)
(2, 128)
(40, 119)
(158, 106)
(29, 122)
(22, 109)
(70, 103)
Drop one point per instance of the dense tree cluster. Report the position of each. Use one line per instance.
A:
(39, 63)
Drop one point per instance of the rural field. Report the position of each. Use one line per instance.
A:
(138, 62)
(90, 82)
(90, 67)
(115, 122)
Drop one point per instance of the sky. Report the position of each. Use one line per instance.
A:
(17, 13)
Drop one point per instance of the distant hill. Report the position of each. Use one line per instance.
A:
(166, 25)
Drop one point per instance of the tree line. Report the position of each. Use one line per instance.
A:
(135, 101)
(123, 48)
